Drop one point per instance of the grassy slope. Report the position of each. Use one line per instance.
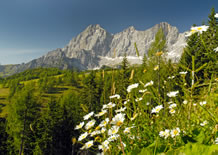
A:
(45, 97)
(4, 92)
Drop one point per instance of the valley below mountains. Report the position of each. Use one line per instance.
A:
(95, 47)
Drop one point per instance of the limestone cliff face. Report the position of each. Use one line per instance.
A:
(95, 47)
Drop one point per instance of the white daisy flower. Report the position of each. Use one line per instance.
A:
(147, 103)
(171, 77)
(90, 124)
(86, 117)
(120, 110)
(175, 132)
(118, 119)
(79, 126)
(138, 99)
(216, 141)
(132, 137)
(89, 144)
(149, 84)
(216, 15)
(104, 122)
(101, 113)
(173, 93)
(198, 29)
(203, 103)
(113, 137)
(124, 145)
(113, 130)
(115, 96)
(142, 91)
(110, 105)
(170, 102)
(185, 102)
(194, 104)
(100, 147)
(104, 106)
(172, 111)
(127, 129)
(156, 68)
(165, 133)
(172, 105)
(126, 102)
(104, 146)
(204, 123)
(216, 49)
(105, 143)
(157, 109)
(130, 87)
(97, 132)
(103, 130)
(83, 136)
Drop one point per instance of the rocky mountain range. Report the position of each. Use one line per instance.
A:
(95, 47)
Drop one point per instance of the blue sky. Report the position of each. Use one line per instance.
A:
(31, 28)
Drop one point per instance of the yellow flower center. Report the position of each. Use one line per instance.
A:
(159, 53)
(119, 123)
(193, 31)
(158, 109)
(113, 131)
(172, 110)
(199, 28)
(175, 132)
(98, 127)
(96, 138)
(89, 145)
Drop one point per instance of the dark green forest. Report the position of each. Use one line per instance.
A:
(41, 107)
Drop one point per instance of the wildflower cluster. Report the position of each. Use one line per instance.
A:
(166, 133)
(114, 122)
(197, 29)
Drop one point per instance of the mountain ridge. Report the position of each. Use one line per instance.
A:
(95, 47)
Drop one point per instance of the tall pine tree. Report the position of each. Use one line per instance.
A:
(23, 112)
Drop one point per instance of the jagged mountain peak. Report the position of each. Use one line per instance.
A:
(130, 29)
(93, 28)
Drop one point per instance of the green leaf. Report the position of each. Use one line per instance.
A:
(200, 68)
(137, 52)
(84, 107)
(195, 149)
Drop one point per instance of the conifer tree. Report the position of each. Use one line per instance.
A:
(210, 42)
(90, 92)
(23, 111)
(201, 47)
(123, 80)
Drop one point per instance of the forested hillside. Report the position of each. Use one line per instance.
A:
(157, 107)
